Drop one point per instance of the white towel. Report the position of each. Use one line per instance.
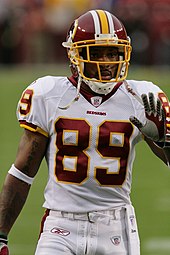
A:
(132, 231)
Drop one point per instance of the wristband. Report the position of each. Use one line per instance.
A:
(3, 239)
(21, 176)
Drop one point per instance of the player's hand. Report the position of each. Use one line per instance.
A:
(4, 249)
(154, 126)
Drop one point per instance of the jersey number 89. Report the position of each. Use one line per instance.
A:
(104, 147)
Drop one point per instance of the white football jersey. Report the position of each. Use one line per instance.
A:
(91, 144)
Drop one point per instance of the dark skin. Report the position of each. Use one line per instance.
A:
(108, 71)
(31, 151)
(107, 54)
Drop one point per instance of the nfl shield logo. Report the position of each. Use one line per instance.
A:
(96, 101)
(116, 240)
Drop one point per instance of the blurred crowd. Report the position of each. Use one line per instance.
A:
(32, 31)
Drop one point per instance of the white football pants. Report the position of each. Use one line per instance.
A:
(112, 232)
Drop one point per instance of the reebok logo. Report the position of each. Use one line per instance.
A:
(60, 231)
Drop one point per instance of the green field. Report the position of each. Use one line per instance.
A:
(151, 178)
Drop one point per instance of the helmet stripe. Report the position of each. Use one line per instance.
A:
(111, 24)
(75, 29)
(96, 22)
(103, 21)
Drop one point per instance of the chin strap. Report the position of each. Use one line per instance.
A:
(76, 97)
(99, 87)
(132, 92)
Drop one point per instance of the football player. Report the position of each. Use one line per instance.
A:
(86, 126)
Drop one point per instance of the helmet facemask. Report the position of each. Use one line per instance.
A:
(80, 57)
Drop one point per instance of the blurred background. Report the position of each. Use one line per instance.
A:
(31, 33)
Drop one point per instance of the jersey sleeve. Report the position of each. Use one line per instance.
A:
(31, 109)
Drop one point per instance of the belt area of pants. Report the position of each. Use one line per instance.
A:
(94, 216)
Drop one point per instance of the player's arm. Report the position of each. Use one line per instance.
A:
(31, 150)
(162, 153)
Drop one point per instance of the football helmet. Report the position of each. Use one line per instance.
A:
(98, 28)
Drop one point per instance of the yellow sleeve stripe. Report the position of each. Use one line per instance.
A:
(37, 129)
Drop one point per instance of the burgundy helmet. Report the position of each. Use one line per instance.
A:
(98, 28)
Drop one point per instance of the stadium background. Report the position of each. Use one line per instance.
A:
(31, 33)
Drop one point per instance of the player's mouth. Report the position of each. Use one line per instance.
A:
(106, 75)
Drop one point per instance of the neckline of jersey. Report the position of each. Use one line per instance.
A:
(89, 94)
